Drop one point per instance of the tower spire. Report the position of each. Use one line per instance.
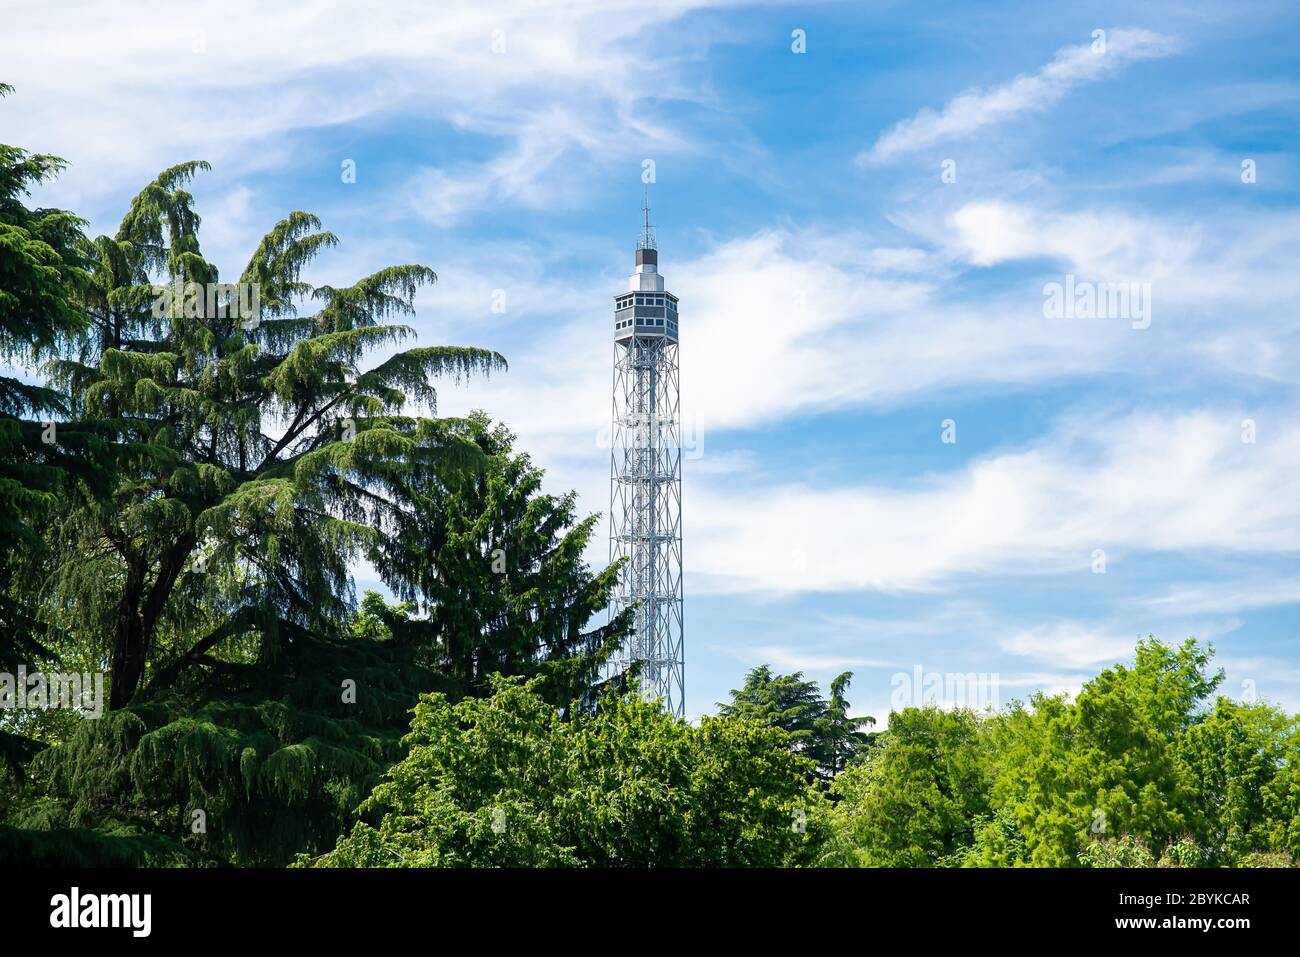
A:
(647, 231)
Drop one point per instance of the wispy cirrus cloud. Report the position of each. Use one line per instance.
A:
(1070, 644)
(1227, 596)
(975, 109)
(526, 82)
(1040, 510)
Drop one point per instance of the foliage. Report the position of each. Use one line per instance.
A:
(817, 728)
(1281, 804)
(506, 781)
(1124, 851)
(1265, 859)
(84, 847)
(493, 570)
(997, 842)
(1138, 770)
(1129, 850)
(787, 702)
(45, 460)
(1231, 757)
(916, 797)
(259, 449)
(276, 758)
(837, 740)
(1106, 763)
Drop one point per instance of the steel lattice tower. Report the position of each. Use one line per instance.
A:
(645, 480)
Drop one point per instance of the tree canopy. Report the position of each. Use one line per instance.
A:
(505, 781)
(818, 728)
(1145, 764)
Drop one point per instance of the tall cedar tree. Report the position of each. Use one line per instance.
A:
(257, 461)
(272, 754)
(837, 738)
(817, 728)
(261, 454)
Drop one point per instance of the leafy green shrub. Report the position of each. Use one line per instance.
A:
(505, 781)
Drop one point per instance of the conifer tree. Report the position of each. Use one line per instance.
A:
(496, 568)
(787, 702)
(815, 727)
(260, 450)
(257, 458)
(838, 739)
(240, 762)
(44, 457)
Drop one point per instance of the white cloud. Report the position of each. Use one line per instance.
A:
(975, 109)
(1180, 482)
(243, 77)
(1069, 644)
(783, 323)
(1222, 597)
(1100, 242)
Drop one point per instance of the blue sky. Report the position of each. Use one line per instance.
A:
(840, 299)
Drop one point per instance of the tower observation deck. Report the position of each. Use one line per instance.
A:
(645, 480)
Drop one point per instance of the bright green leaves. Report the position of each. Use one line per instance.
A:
(1235, 759)
(1137, 768)
(1107, 763)
(503, 781)
(917, 796)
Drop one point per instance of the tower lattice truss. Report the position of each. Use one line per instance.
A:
(646, 481)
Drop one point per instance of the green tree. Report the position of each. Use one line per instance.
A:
(507, 781)
(271, 752)
(1281, 802)
(45, 458)
(817, 728)
(41, 273)
(917, 796)
(787, 702)
(1231, 757)
(240, 762)
(492, 567)
(260, 449)
(837, 740)
(997, 842)
(1106, 764)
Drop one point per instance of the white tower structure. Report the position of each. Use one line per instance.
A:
(645, 481)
